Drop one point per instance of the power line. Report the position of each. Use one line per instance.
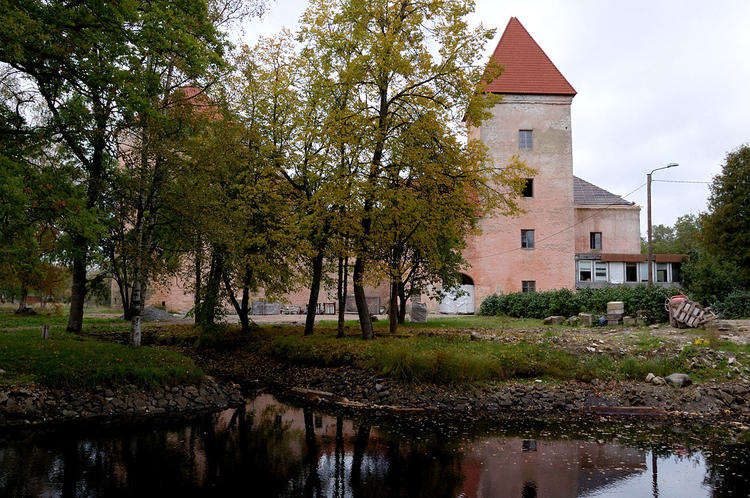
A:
(681, 181)
(566, 228)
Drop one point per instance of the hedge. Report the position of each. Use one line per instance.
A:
(735, 305)
(566, 302)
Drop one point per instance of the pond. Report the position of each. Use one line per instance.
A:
(269, 449)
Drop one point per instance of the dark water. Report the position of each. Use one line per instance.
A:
(272, 449)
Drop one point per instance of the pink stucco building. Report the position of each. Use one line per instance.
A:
(572, 234)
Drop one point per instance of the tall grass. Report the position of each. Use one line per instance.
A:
(67, 360)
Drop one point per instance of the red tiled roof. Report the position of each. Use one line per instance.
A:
(528, 70)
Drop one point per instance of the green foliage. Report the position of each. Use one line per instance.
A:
(735, 305)
(67, 360)
(9, 319)
(565, 302)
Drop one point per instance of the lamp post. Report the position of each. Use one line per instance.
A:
(648, 204)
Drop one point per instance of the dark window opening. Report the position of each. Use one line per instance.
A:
(596, 240)
(676, 272)
(277, 420)
(528, 445)
(524, 139)
(318, 421)
(529, 490)
(527, 239)
(631, 272)
(528, 285)
(528, 189)
(466, 280)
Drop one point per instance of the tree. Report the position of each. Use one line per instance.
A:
(726, 226)
(412, 75)
(678, 239)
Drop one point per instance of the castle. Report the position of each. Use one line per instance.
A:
(572, 234)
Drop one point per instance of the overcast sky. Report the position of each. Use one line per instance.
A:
(658, 81)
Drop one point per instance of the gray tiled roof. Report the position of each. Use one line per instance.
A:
(588, 193)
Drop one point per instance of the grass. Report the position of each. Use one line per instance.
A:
(68, 360)
(452, 322)
(455, 359)
(8, 319)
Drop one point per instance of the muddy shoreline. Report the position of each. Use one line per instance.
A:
(358, 390)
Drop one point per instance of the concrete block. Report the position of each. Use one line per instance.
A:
(587, 319)
(615, 307)
(628, 320)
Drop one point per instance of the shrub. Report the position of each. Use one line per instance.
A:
(735, 305)
(565, 302)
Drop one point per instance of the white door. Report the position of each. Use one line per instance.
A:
(463, 304)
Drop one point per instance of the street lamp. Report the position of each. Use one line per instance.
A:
(648, 204)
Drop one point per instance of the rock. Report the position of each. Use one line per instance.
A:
(658, 381)
(650, 377)
(379, 387)
(418, 312)
(554, 320)
(574, 321)
(587, 319)
(654, 326)
(2, 372)
(679, 379)
(628, 320)
(151, 314)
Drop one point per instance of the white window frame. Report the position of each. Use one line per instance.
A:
(600, 265)
(585, 265)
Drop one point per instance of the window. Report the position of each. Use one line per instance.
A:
(528, 189)
(527, 239)
(676, 272)
(528, 285)
(644, 272)
(596, 240)
(661, 272)
(524, 139)
(631, 272)
(584, 271)
(318, 421)
(601, 272)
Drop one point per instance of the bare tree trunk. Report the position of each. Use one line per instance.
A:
(78, 288)
(137, 313)
(242, 308)
(343, 282)
(365, 322)
(198, 270)
(402, 302)
(393, 308)
(312, 304)
(211, 301)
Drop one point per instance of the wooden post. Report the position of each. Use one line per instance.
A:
(45, 331)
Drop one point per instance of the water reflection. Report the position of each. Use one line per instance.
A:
(271, 449)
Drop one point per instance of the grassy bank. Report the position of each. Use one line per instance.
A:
(10, 320)
(67, 360)
(457, 359)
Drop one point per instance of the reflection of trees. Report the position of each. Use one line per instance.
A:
(729, 471)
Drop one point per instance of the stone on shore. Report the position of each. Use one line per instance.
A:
(679, 380)
(418, 313)
(554, 320)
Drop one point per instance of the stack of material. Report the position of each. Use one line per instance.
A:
(686, 313)
(615, 312)
(418, 313)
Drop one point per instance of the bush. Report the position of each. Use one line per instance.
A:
(565, 302)
(735, 305)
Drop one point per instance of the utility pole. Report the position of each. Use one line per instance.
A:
(648, 208)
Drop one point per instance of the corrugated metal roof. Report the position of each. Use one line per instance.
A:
(527, 69)
(588, 193)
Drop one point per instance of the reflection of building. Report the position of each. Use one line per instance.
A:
(516, 467)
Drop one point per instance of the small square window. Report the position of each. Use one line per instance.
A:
(584, 271)
(528, 285)
(631, 272)
(528, 189)
(527, 239)
(524, 139)
(596, 240)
